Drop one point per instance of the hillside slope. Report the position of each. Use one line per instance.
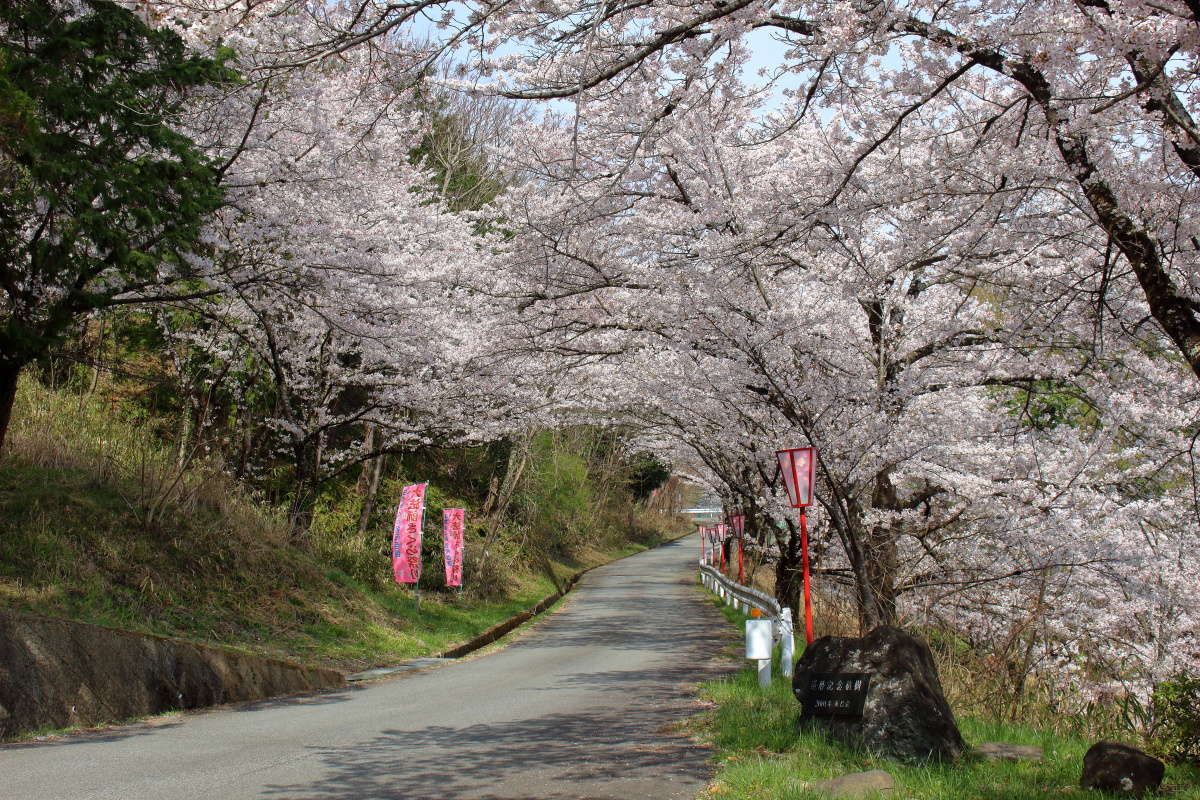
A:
(98, 526)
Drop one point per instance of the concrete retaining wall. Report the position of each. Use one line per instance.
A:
(55, 673)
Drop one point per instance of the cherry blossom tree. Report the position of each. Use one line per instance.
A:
(918, 352)
(1103, 87)
(958, 257)
(344, 317)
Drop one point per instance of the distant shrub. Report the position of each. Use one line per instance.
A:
(557, 497)
(1176, 708)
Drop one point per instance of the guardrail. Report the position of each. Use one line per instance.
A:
(744, 598)
(735, 594)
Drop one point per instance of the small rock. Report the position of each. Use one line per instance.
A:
(1114, 767)
(856, 784)
(1003, 751)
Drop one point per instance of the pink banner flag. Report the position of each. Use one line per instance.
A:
(452, 538)
(406, 535)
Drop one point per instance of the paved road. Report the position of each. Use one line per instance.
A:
(577, 708)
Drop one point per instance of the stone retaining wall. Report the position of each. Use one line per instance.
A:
(55, 673)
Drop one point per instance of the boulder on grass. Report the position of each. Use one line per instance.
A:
(892, 703)
(1117, 767)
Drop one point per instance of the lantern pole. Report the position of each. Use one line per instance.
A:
(808, 625)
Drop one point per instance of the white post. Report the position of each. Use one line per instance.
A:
(787, 643)
(758, 648)
(764, 673)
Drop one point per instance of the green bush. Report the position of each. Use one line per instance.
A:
(335, 540)
(557, 498)
(1176, 708)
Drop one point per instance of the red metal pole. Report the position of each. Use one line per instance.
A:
(808, 630)
(741, 567)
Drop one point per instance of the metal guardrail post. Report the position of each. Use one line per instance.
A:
(744, 599)
(787, 643)
(759, 644)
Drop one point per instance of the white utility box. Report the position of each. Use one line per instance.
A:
(759, 641)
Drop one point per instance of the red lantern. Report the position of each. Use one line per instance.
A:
(798, 466)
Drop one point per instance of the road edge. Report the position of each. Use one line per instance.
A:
(505, 627)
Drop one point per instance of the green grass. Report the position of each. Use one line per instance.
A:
(72, 549)
(761, 754)
(98, 525)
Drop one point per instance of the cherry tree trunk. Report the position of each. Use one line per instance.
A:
(789, 578)
(877, 599)
(368, 482)
(8, 395)
(872, 554)
(304, 488)
(878, 552)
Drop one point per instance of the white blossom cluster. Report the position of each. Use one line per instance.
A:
(959, 257)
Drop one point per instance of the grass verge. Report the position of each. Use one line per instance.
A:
(71, 549)
(99, 525)
(760, 753)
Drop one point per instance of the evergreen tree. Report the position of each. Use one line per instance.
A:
(102, 198)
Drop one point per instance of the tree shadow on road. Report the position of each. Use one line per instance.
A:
(622, 750)
(593, 754)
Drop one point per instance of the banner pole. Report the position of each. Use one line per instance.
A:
(421, 568)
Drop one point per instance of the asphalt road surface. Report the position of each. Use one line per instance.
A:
(579, 707)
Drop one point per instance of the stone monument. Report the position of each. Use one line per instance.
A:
(880, 692)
